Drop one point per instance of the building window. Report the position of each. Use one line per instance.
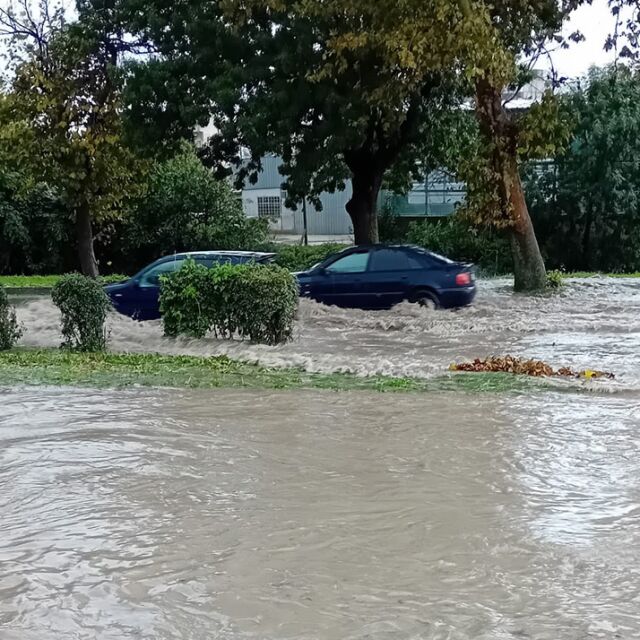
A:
(269, 207)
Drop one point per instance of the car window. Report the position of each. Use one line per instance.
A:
(353, 263)
(152, 277)
(415, 262)
(215, 261)
(389, 260)
(227, 259)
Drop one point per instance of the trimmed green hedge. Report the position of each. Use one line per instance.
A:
(10, 330)
(258, 302)
(84, 306)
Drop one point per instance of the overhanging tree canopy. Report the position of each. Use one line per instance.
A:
(310, 81)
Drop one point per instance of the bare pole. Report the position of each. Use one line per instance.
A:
(304, 221)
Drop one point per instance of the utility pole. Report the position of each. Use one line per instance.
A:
(304, 221)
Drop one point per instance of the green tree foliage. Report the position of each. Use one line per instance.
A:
(34, 231)
(186, 208)
(586, 204)
(61, 122)
(306, 80)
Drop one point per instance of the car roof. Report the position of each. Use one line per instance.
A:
(213, 254)
(369, 247)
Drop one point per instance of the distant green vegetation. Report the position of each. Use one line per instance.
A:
(301, 258)
(55, 367)
(46, 282)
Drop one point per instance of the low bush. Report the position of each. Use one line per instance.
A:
(84, 306)
(301, 258)
(458, 240)
(10, 330)
(187, 301)
(258, 302)
(555, 280)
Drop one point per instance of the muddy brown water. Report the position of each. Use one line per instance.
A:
(174, 515)
(593, 323)
(194, 515)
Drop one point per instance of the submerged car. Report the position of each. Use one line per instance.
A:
(381, 276)
(138, 297)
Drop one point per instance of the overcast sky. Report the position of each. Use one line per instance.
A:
(595, 22)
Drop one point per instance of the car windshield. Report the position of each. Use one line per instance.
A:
(151, 277)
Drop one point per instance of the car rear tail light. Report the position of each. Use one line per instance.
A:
(463, 279)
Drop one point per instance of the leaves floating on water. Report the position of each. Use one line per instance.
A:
(520, 366)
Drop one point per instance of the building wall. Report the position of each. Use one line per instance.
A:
(438, 195)
(331, 220)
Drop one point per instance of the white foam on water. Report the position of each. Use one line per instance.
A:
(592, 323)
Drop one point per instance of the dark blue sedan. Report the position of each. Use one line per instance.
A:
(138, 297)
(379, 277)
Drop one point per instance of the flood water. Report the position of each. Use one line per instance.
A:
(199, 515)
(593, 323)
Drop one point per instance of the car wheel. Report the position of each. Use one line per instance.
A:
(427, 300)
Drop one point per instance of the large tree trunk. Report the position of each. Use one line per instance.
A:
(528, 266)
(84, 238)
(369, 162)
(362, 208)
(495, 122)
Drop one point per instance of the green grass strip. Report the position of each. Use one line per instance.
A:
(111, 370)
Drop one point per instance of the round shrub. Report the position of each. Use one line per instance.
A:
(555, 280)
(10, 330)
(186, 300)
(258, 302)
(84, 306)
(264, 303)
